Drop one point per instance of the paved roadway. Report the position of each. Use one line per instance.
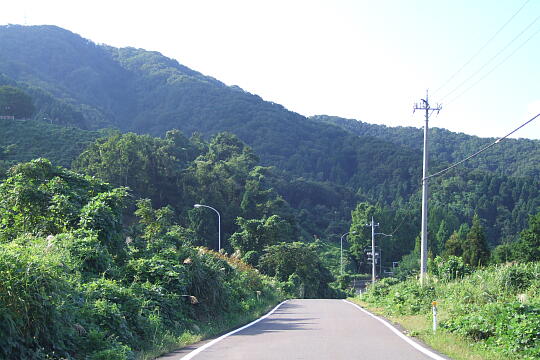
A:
(310, 329)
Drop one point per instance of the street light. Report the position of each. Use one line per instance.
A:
(341, 258)
(372, 224)
(219, 222)
(380, 251)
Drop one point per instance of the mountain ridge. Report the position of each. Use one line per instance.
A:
(144, 92)
(450, 147)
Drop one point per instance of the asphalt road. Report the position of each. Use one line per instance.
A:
(310, 329)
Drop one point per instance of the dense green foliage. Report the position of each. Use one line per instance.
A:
(497, 307)
(257, 234)
(526, 248)
(475, 248)
(299, 265)
(74, 286)
(322, 167)
(180, 172)
(324, 170)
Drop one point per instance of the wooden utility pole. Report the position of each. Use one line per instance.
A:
(372, 224)
(424, 105)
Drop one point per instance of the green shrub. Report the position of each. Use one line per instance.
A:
(85, 252)
(405, 298)
(515, 278)
(450, 268)
(72, 288)
(35, 309)
(498, 306)
(512, 327)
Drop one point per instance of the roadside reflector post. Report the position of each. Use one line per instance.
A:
(434, 309)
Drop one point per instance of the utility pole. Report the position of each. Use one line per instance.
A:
(424, 105)
(373, 268)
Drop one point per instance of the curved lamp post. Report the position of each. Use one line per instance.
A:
(219, 222)
(380, 252)
(341, 257)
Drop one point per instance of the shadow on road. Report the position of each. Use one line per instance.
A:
(275, 325)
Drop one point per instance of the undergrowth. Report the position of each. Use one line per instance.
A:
(497, 307)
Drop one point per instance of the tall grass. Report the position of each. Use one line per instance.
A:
(497, 307)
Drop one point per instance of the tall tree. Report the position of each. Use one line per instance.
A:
(256, 234)
(528, 246)
(475, 248)
(359, 238)
(453, 246)
(298, 263)
(440, 238)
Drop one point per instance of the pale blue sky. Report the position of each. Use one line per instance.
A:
(368, 60)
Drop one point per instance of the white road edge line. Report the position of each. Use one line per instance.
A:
(414, 344)
(215, 341)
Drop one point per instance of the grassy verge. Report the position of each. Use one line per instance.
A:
(205, 330)
(451, 345)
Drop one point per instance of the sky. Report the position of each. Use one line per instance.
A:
(369, 60)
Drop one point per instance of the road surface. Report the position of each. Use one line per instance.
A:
(309, 329)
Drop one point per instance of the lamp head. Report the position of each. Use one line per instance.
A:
(197, 205)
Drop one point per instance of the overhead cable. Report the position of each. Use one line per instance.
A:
(492, 58)
(482, 149)
(482, 48)
(494, 68)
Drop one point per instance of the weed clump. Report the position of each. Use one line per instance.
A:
(497, 306)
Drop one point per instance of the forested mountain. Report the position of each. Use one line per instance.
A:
(515, 157)
(322, 166)
(111, 258)
(145, 92)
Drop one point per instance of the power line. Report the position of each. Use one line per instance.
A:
(492, 58)
(482, 48)
(482, 149)
(494, 68)
(404, 217)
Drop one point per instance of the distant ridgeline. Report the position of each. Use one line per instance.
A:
(512, 157)
(323, 166)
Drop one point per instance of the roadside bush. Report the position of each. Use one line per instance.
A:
(512, 327)
(450, 268)
(404, 298)
(515, 278)
(74, 287)
(380, 289)
(35, 313)
(84, 252)
(497, 306)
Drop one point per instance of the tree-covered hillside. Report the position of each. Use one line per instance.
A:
(30, 139)
(145, 92)
(322, 167)
(515, 157)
